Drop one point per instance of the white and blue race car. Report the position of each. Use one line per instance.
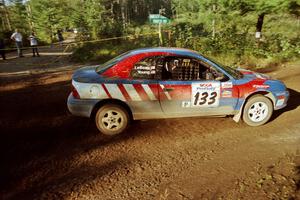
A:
(157, 83)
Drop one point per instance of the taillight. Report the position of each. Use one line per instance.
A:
(75, 93)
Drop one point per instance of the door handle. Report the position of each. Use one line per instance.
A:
(168, 89)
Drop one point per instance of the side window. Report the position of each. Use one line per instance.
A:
(184, 68)
(147, 68)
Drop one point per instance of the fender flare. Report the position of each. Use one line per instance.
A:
(113, 101)
(268, 94)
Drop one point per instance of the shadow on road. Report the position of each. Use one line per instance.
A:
(297, 172)
(39, 141)
(293, 103)
(46, 150)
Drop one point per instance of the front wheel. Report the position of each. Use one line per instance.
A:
(112, 119)
(258, 110)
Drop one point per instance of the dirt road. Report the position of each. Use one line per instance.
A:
(48, 154)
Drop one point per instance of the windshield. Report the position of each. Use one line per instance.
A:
(112, 62)
(236, 74)
(233, 72)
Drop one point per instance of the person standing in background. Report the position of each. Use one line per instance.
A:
(33, 43)
(17, 37)
(60, 37)
(2, 47)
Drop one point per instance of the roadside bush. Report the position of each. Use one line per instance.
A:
(231, 46)
(102, 51)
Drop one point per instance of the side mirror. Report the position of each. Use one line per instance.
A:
(222, 78)
(209, 76)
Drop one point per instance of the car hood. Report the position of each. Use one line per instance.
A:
(262, 81)
(254, 75)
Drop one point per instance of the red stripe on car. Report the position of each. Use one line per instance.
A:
(106, 91)
(124, 92)
(140, 90)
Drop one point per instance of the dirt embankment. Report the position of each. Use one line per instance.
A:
(48, 154)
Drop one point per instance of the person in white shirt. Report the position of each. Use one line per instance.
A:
(17, 37)
(33, 43)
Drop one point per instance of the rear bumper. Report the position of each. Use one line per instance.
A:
(81, 107)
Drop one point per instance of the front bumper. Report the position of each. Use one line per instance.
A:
(281, 99)
(81, 107)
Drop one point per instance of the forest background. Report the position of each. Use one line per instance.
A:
(256, 33)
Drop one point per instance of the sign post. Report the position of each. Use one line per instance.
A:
(159, 19)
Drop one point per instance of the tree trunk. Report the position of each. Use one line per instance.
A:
(214, 21)
(29, 14)
(123, 14)
(6, 16)
(259, 25)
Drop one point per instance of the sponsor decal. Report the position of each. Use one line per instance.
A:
(146, 72)
(226, 93)
(142, 69)
(205, 94)
(261, 86)
(279, 102)
(186, 104)
(205, 85)
(226, 85)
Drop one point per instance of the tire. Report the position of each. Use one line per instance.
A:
(258, 110)
(112, 119)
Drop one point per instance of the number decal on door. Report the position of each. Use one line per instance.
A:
(205, 94)
(205, 97)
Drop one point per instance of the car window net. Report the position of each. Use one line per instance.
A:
(187, 69)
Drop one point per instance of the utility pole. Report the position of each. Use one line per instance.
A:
(162, 11)
(214, 21)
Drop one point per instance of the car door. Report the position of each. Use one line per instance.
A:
(141, 89)
(190, 87)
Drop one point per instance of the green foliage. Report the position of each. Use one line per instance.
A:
(219, 28)
(228, 29)
(19, 15)
(49, 16)
(91, 51)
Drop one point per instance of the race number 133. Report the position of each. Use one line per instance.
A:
(205, 94)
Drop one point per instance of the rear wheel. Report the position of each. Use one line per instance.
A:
(112, 119)
(258, 110)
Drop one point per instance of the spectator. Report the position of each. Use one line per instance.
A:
(60, 37)
(2, 47)
(33, 43)
(17, 37)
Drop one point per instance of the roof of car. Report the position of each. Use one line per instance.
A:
(174, 50)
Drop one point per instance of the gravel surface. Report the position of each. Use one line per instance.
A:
(46, 153)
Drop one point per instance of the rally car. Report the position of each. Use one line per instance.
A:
(154, 83)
